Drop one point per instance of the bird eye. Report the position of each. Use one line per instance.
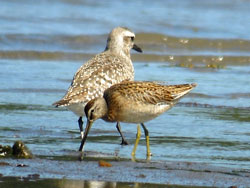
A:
(132, 38)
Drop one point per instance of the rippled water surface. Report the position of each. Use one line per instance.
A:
(43, 43)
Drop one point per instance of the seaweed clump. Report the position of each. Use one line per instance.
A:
(18, 150)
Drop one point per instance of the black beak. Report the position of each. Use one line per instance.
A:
(136, 48)
(88, 126)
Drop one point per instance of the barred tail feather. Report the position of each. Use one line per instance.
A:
(184, 90)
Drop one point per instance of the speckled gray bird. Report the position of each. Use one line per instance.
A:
(110, 67)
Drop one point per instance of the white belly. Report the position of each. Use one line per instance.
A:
(77, 108)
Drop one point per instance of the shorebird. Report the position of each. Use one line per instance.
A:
(134, 102)
(110, 67)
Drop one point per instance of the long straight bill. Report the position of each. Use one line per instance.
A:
(88, 126)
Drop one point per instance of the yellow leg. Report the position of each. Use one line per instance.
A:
(147, 139)
(138, 136)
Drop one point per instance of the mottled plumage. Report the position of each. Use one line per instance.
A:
(138, 102)
(112, 66)
(94, 77)
(134, 102)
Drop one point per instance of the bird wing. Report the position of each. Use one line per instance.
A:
(148, 92)
(94, 77)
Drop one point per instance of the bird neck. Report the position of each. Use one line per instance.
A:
(102, 108)
(118, 49)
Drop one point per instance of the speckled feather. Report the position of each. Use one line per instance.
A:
(102, 71)
(95, 76)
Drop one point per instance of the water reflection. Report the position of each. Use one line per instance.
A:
(85, 184)
(12, 182)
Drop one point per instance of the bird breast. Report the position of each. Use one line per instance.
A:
(134, 112)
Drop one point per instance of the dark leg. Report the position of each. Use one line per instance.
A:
(124, 142)
(147, 139)
(80, 123)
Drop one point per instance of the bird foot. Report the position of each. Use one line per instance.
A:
(124, 142)
(149, 154)
(81, 156)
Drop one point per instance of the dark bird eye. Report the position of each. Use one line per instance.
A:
(132, 38)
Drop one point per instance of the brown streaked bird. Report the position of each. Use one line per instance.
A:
(134, 102)
(110, 67)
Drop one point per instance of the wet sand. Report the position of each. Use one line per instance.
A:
(126, 172)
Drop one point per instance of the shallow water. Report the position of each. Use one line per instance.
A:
(43, 44)
(209, 125)
(52, 183)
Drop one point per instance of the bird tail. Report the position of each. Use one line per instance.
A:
(180, 90)
(63, 102)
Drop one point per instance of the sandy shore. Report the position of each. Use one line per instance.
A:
(153, 172)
